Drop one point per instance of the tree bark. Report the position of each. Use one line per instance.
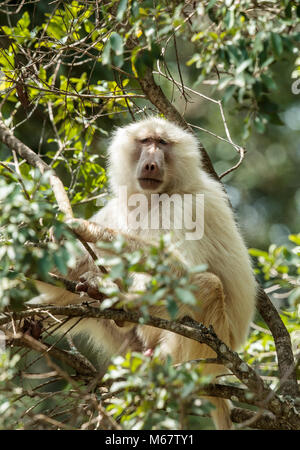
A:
(282, 339)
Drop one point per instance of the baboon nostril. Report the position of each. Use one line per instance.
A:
(150, 167)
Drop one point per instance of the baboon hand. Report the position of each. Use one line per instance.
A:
(91, 283)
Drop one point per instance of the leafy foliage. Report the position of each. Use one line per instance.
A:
(25, 250)
(282, 265)
(279, 268)
(164, 288)
(8, 388)
(155, 394)
(233, 39)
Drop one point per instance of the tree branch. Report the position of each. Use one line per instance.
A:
(263, 421)
(13, 143)
(84, 368)
(282, 339)
(192, 330)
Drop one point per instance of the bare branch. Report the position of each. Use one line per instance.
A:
(60, 92)
(49, 421)
(72, 360)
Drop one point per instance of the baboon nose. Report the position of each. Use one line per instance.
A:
(150, 167)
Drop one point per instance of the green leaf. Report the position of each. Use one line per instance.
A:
(210, 4)
(159, 295)
(269, 82)
(256, 252)
(116, 43)
(24, 21)
(241, 67)
(185, 296)
(229, 19)
(277, 43)
(229, 91)
(135, 10)
(60, 263)
(275, 119)
(224, 82)
(117, 271)
(118, 61)
(106, 54)
(295, 238)
(259, 124)
(172, 308)
(138, 65)
(294, 296)
(267, 106)
(121, 9)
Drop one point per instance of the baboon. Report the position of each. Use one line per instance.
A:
(155, 156)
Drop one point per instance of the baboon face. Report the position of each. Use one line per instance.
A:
(152, 154)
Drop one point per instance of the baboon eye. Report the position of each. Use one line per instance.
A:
(163, 142)
(144, 141)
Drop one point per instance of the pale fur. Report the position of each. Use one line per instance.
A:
(226, 292)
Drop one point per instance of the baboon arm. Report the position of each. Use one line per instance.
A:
(210, 310)
(90, 231)
(93, 232)
(212, 307)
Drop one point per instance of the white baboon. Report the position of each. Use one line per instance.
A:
(155, 156)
